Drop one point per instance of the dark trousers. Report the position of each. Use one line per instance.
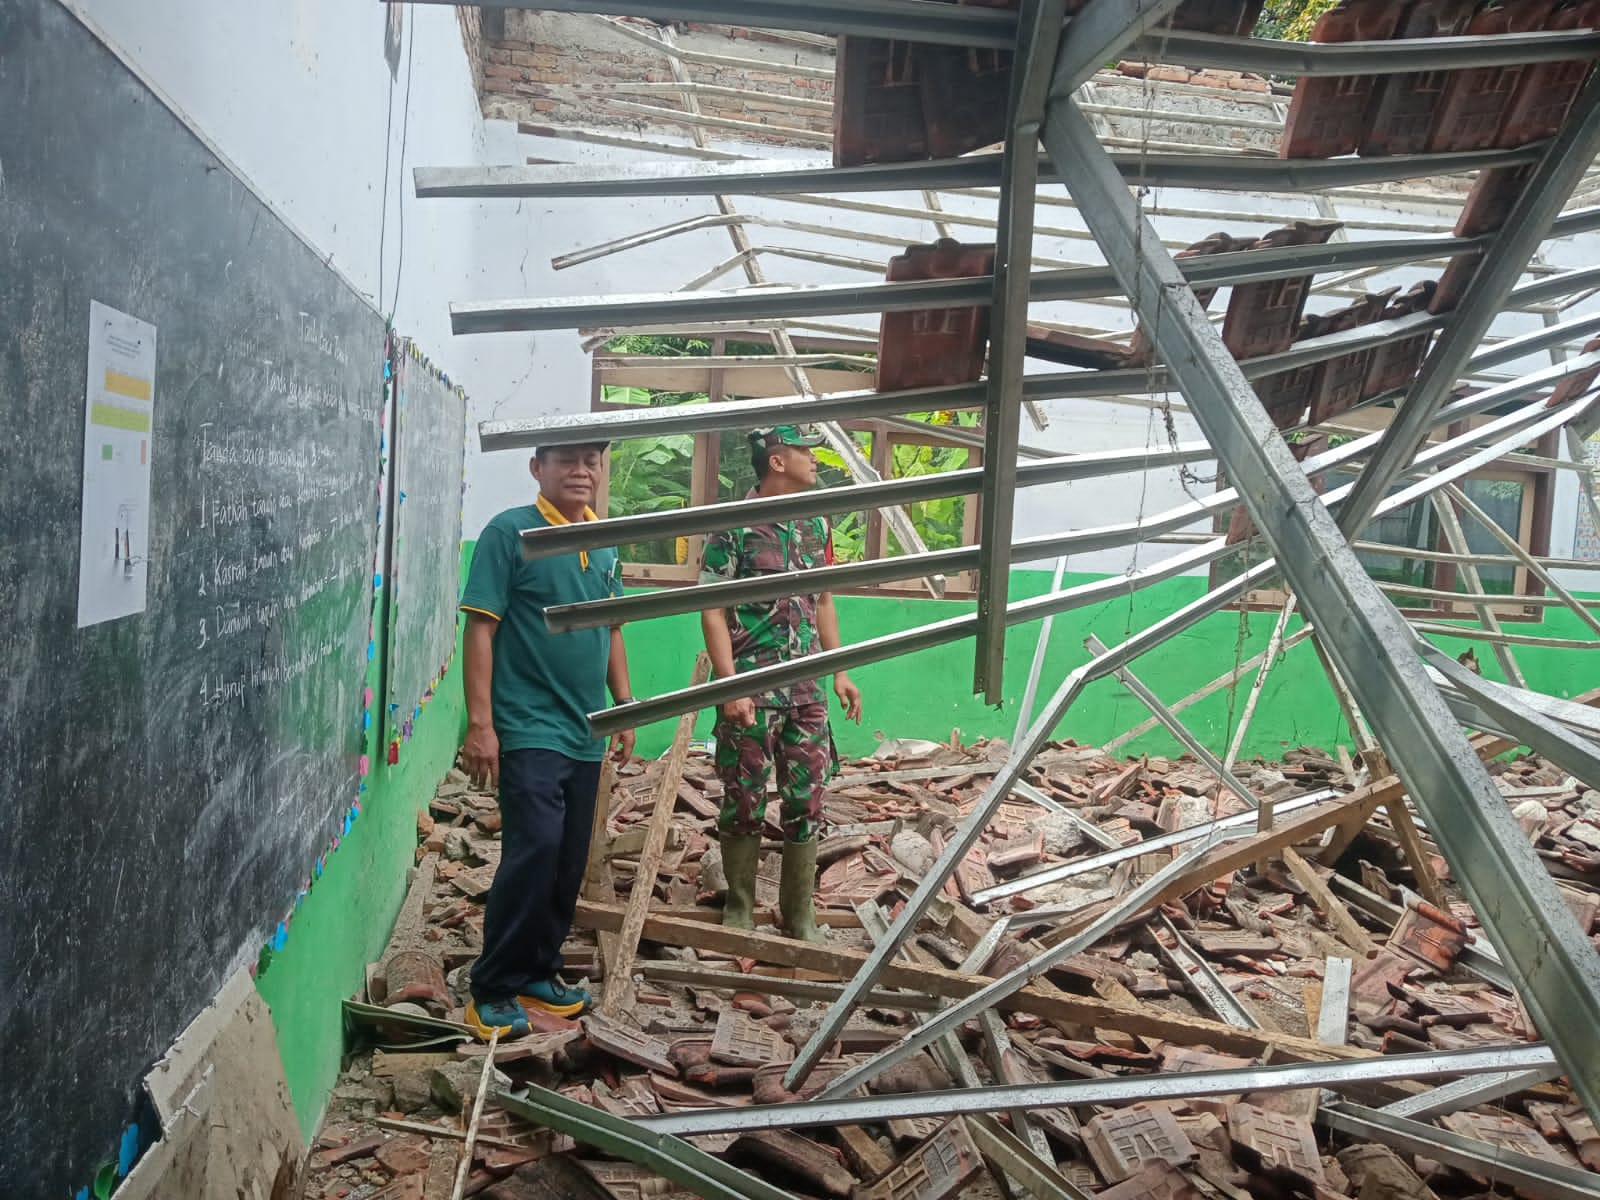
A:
(546, 814)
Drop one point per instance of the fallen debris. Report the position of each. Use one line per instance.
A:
(1309, 939)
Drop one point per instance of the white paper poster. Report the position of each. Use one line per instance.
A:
(119, 412)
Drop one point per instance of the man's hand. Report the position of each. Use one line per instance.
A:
(741, 712)
(480, 756)
(849, 696)
(622, 747)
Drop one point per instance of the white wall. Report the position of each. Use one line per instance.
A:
(300, 97)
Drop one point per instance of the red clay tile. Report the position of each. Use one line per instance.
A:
(1264, 317)
(1158, 1181)
(1431, 936)
(930, 347)
(1545, 93)
(1231, 18)
(877, 111)
(1328, 114)
(1574, 386)
(1280, 1140)
(1123, 1142)
(1395, 364)
(938, 1168)
(1400, 120)
(1476, 101)
(1141, 349)
(1344, 379)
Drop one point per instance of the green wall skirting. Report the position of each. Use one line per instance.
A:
(344, 921)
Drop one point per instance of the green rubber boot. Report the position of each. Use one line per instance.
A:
(797, 890)
(740, 854)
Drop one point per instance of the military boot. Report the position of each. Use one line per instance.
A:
(740, 855)
(797, 890)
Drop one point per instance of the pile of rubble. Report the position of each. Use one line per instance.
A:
(1252, 953)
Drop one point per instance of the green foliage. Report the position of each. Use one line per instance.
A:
(656, 474)
(1291, 20)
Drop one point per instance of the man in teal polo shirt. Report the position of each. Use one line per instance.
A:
(529, 693)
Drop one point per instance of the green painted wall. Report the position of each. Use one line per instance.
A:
(344, 921)
(928, 694)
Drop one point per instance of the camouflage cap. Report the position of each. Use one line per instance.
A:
(784, 435)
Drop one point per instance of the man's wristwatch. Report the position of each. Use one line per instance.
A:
(623, 703)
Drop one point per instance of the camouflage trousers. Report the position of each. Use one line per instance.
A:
(795, 739)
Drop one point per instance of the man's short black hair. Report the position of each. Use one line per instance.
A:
(540, 452)
(761, 460)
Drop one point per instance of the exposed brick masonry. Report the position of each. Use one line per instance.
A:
(530, 75)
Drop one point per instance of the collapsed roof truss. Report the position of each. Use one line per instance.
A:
(1414, 700)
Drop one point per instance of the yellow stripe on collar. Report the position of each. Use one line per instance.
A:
(554, 515)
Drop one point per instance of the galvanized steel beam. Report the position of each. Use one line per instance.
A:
(703, 1174)
(1556, 969)
(1175, 727)
(902, 20)
(1468, 1092)
(953, 629)
(1533, 1176)
(1176, 1085)
(780, 303)
(1394, 57)
(1570, 751)
(576, 428)
(779, 177)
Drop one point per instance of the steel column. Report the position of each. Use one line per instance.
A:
(1038, 36)
(1554, 965)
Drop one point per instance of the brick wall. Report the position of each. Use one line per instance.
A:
(539, 72)
(561, 69)
(471, 20)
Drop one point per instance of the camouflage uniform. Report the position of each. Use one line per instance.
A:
(791, 728)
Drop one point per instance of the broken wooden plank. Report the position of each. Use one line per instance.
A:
(1338, 915)
(839, 962)
(619, 966)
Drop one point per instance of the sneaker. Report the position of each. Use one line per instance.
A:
(484, 1017)
(553, 996)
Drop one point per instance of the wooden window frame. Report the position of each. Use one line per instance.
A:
(703, 489)
(1533, 535)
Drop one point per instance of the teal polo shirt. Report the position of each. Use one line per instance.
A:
(545, 684)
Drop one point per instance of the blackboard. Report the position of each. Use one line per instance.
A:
(168, 778)
(428, 458)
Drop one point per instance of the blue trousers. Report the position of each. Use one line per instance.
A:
(546, 815)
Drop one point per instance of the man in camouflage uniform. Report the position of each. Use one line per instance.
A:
(786, 727)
